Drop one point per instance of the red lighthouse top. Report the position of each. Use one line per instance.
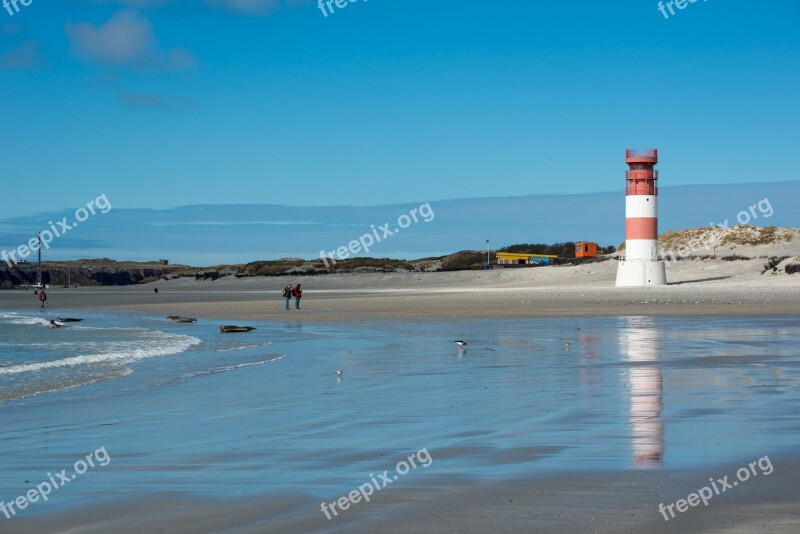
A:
(641, 178)
(647, 156)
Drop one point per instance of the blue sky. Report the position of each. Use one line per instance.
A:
(163, 103)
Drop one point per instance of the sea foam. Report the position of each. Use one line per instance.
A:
(158, 344)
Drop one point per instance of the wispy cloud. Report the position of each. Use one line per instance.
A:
(25, 56)
(127, 39)
(255, 7)
(135, 3)
(149, 100)
(244, 7)
(9, 28)
(236, 223)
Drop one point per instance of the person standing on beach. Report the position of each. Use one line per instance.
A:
(42, 297)
(298, 294)
(287, 294)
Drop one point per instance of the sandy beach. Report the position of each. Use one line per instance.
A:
(696, 288)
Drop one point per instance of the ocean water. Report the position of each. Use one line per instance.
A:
(36, 359)
(185, 409)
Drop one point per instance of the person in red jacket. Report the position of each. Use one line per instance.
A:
(298, 294)
(42, 297)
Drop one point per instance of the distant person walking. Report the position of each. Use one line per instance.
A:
(298, 294)
(42, 297)
(288, 292)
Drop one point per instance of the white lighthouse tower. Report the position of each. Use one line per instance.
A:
(641, 266)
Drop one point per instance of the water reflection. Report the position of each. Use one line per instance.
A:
(640, 341)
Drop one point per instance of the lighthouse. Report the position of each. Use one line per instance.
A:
(640, 266)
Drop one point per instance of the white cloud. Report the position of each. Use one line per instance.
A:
(127, 39)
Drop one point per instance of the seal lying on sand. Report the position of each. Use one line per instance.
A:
(179, 319)
(231, 329)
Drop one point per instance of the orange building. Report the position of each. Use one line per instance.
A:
(585, 249)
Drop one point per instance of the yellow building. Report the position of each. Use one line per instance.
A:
(510, 258)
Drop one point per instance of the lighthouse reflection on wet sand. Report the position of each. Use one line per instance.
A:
(640, 343)
(640, 266)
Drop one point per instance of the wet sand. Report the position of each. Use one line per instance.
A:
(595, 502)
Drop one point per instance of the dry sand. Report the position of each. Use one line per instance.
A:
(710, 287)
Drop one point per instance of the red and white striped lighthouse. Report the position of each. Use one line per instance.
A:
(641, 265)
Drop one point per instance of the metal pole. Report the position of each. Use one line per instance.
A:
(39, 266)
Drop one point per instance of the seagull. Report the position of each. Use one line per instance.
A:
(339, 372)
(460, 343)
